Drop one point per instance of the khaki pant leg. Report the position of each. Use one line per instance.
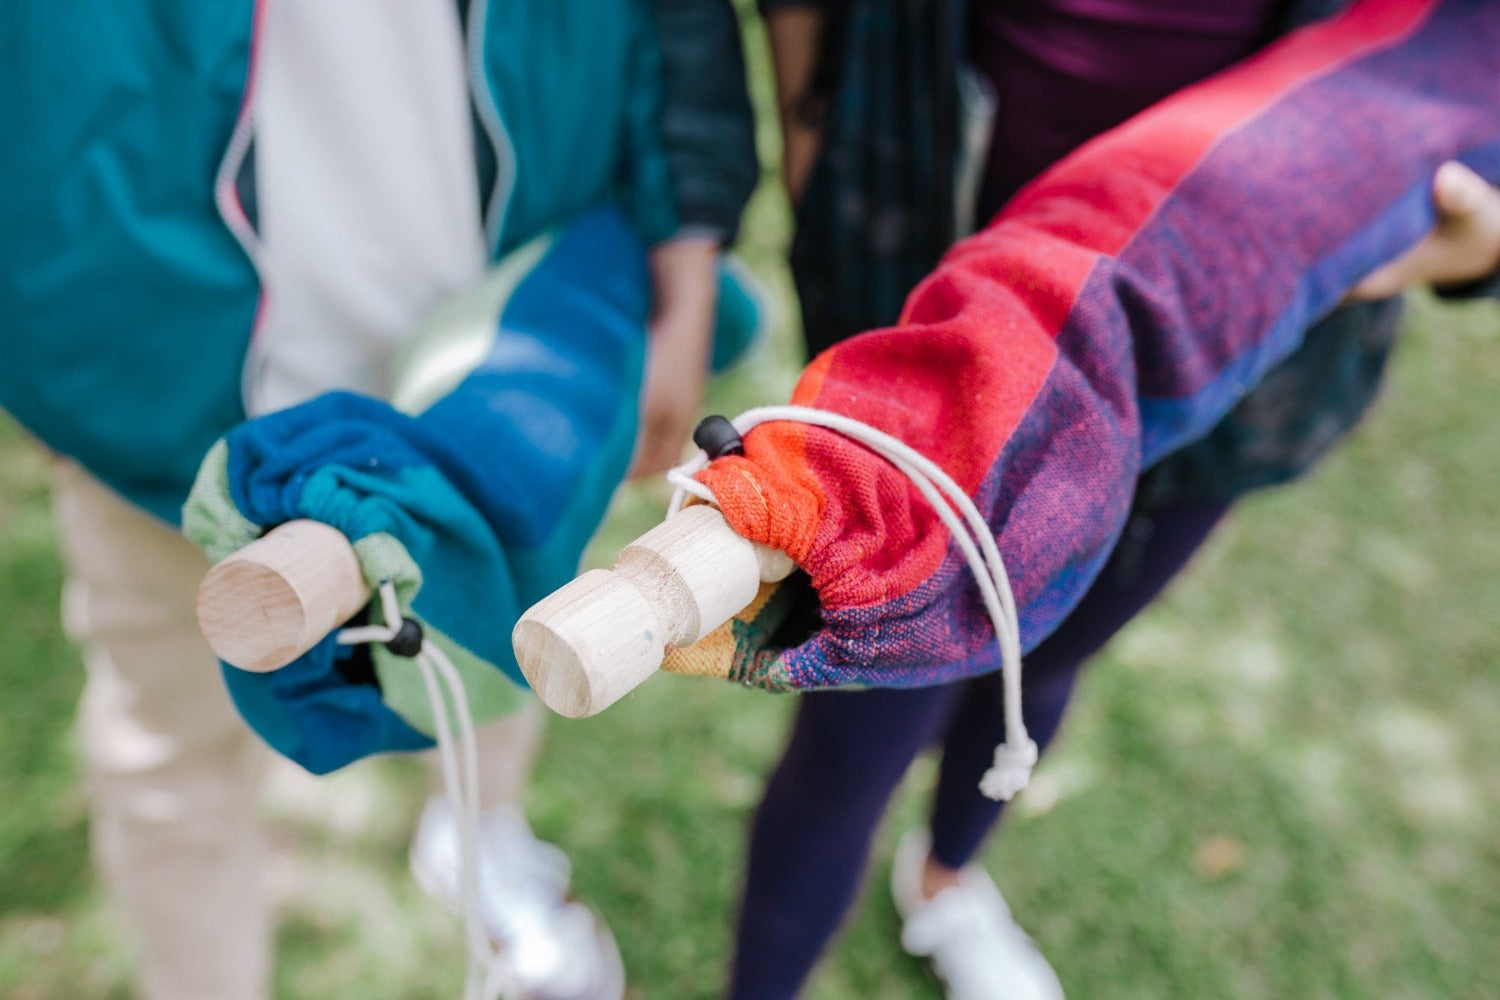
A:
(173, 772)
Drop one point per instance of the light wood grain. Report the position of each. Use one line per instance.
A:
(590, 643)
(277, 597)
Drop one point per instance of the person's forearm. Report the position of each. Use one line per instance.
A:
(795, 32)
(684, 281)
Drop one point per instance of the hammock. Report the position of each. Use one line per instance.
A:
(1114, 311)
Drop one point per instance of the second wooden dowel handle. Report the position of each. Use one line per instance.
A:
(588, 644)
(277, 597)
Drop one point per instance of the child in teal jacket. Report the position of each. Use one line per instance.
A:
(265, 210)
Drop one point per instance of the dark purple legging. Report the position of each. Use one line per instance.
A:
(849, 750)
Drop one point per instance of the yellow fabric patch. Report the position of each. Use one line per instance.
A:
(714, 654)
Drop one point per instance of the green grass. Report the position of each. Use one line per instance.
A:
(1279, 783)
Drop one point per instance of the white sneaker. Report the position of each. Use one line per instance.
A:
(554, 948)
(967, 933)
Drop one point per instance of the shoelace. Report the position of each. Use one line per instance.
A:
(488, 975)
(1017, 755)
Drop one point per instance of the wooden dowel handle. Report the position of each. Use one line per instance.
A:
(277, 597)
(588, 644)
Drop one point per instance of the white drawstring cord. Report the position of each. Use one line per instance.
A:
(1017, 756)
(487, 976)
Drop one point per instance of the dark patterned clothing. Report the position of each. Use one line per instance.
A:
(1066, 70)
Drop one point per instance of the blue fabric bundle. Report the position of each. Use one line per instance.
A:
(519, 420)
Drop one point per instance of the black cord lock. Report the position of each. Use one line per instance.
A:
(408, 639)
(717, 436)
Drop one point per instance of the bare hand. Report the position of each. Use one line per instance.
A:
(1464, 245)
(685, 281)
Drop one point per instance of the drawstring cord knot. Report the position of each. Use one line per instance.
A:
(1011, 770)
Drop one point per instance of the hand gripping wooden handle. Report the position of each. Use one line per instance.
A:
(277, 597)
(588, 644)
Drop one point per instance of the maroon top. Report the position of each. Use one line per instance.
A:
(1066, 70)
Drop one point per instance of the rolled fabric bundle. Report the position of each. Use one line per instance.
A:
(514, 418)
(1114, 311)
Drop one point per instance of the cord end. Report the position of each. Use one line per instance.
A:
(1010, 772)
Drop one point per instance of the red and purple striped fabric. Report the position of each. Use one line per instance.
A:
(1113, 311)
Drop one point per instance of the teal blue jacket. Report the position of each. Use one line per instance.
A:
(126, 301)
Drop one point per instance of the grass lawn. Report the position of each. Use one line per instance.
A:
(1279, 783)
